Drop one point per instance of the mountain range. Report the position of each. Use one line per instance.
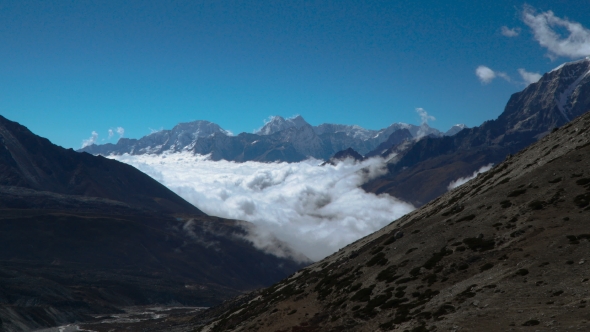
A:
(505, 251)
(280, 139)
(84, 235)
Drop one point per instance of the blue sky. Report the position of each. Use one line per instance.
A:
(68, 68)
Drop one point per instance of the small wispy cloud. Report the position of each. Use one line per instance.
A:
(119, 130)
(486, 74)
(424, 116)
(91, 140)
(529, 77)
(546, 26)
(510, 32)
(460, 181)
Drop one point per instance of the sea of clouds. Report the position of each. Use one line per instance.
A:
(314, 209)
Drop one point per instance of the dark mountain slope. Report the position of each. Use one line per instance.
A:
(505, 251)
(557, 97)
(33, 162)
(82, 235)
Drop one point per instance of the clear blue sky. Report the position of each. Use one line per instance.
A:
(68, 68)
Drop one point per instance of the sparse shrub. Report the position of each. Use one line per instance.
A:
(558, 293)
(388, 274)
(420, 328)
(376, 250)
(555, 180)
(517, 192)
(522, 272)
(390, 240)
(460, 248)
(393, 303)
(479, 244)
(403, 280)
(386, 325)
(467, 293)
(466, 218)
(363, 295)
(379, 258)
(430, 279)
(505, 204)
(415, 271)
(355, 288)
(436, 257)
(531, 322)
(583, 181)
(582, 200)
(517, 233)
(486, 266)
(443, 310)
(463, 266)
(537, 205)
(569, 262)
(454, 210)
(410, 250)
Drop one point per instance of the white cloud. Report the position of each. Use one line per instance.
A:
(486, 74)
(460, 181)
(529, 77)
(424, 117)
(510, 32)
(314, 209)
(545, 25)
(91, 140)
(120, 131)
(111, 133)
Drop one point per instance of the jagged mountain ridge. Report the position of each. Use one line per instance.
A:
(33, 162)
(280, 139)
(423, 171)
(509, 248)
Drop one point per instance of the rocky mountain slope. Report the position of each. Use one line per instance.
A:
(32, 162)
(505, 251)
(280, 139)
(423, 171)
(82, 235)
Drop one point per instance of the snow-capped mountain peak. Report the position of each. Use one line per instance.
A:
(455, 129)
(278, 123)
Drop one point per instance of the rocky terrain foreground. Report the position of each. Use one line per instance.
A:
(507, 251)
